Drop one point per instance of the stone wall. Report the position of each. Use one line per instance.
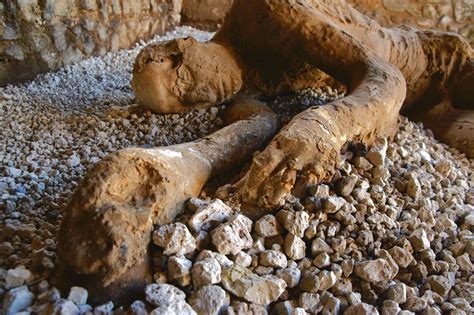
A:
(445, 15)
(41, 35)
(205, 14)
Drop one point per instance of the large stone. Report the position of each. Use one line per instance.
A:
(163, 294)
(273, 258)
(78, 295)
(294, 222)
(419, 240)
(210, 299)
(268, 226)
(17, 300)
(207, 271)
(361, 309)
(179, 270)
(175, 239)
(17, 277)
(233, 236)
(377, 270)
(294, 246)
(208, 214)
(251, 287)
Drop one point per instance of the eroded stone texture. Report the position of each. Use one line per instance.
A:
(38, 36)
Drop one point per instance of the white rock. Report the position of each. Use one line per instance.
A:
(332, 204)
(17, 277)
(163, 294)
(291, 276)
(207, 271)
(327, 279)
(104, 309)
(233, 236)
(273, 258)
(322, 260)
(377, 270)
(138, 308)
(361, 309)
(175, 239)
(378, 152)
(210, 299)
(208, 214)
(294, 222)
(397, 293)
(222, 259)
(251, 287)
(17, 300)
(179, 270)
(242, 259)
(294, 246)
(419, 240)
(268, 226)
(413, 186)
(78, 295)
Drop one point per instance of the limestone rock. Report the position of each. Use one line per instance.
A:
(361, 309)
(419, 240)
(378, 152)
(210, 299)
(78, 295)
(440, 285)
(309, 302)
(322, 260)
(401, 256)
(251, 287)
(222, 259)
(63, 306)
(273, 258)
(327, 279)
(233, 236)
(175, 239)
(346, 184)
(291, 276)
(294, 222)
(332, 204)
(294, 246)
(17, 300)
(17, 277)
(242, 259)
(208, 214)
(207, 271)
(179, 270)
(241, 308)
(377, 270)
(268, 226)
(397, 293)
(413, 186)
(163, 294)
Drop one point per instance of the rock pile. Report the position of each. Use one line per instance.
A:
(392, 232)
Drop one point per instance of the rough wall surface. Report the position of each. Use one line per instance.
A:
(205, 14)
(41, 35)
(444, 15)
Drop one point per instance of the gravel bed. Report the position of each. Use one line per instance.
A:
(392, 230)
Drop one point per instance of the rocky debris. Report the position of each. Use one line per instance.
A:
(210, 299)
(273, 258)
(332, 204)
(377, 270)
(291, 276)
(268, 226)
(207, 271)
(251, 287)
(17, 300)
(179, 270)
(208, 214)
(78, 295)
(419, 240)
(175, 239)
(233, 236)
(378, 152)
(17, 277)
(294, 222)
(294, 246)
(346, 184)
(168, 299)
